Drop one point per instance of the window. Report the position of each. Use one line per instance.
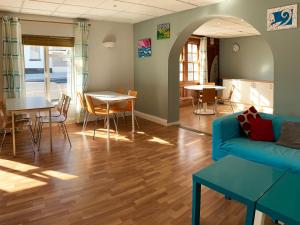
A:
(35, 53)
(189, 62)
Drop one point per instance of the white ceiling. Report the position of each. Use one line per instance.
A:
(129, 11)
(226, 27)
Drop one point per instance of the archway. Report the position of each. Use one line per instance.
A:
(173, 65)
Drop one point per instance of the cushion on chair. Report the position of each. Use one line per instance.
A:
(245, 118)
(290, 135)
(261, 130)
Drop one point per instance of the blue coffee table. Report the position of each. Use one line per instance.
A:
(236, 178)
(282, 201)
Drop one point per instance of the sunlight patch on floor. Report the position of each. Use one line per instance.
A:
(59, 175)
(11, 182)
(101, 133)
(159, 141)
(22, 167)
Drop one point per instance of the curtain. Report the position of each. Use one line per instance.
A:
(12, 58)
(81, 31)
(203, 60)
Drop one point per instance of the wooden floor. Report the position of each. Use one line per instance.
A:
(143, 179)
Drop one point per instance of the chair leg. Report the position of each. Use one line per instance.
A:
(33, 141)
(87, 120)
(136, 122)
(124, 117)
(40, 135)
(65, 128)
(96, 123)
(84, 119)
(62, 129)
(115, 125)
(2, 142)
(231, 107)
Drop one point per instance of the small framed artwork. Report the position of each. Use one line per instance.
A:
(163, 31)
(144, 48)
(282, 18)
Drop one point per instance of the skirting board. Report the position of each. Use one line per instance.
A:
(155, 119)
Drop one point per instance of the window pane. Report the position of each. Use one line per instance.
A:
(190, 57)
(195, 48)
(180, 67)
(196, 75)
(195, 57)
(181, 76)
(196, 67)
(189, 48)
(190, 67)
(190, 76)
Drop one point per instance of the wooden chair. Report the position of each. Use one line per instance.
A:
(84, 109)
(228, 98)
(60, 120)
(208, 97)
(210, 83)
(98, 112)
(6, 125)
(127, 107)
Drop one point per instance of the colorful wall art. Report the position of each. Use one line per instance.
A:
(163, 31)
(144, 48)
(282, 18)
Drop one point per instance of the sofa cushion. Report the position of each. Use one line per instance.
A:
(261, 130)
(290, 135)
(263, 152)
(245, 118)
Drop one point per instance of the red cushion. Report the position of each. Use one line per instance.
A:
(244, 118)
(261, 130)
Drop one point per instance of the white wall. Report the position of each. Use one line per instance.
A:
(108, 68)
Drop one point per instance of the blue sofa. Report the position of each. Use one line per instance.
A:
(229, 139)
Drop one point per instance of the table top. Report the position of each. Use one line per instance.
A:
(239, 177)
(28, 103)
(283, 200)
(109, 96)
(201, 87)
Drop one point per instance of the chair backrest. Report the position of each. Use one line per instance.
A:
(66, 105)
(121, 91)
(60, 104)
(129, 103)
(231, 92)
(209, 95)
(89, 104)
(210, 83)
(81, 99)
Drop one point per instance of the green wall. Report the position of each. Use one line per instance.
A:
(156, 77)
(254, 60)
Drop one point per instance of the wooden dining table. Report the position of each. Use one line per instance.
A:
(200, 88)
(28, 104)
(110, 97)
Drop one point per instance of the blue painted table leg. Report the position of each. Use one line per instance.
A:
(196, 203)
(250, 215)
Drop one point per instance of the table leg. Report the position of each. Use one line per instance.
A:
(132, 116)
(196, 203)
(250, 214)
(50, 129)
(13, 132)
(204, 106)
(259, 218)
(108, 125)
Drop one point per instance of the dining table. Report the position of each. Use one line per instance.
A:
(28, 105)
(199, 88)
(110, 97)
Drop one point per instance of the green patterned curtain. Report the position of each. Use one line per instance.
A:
(81, 32)
(203, 60)
(12, 58)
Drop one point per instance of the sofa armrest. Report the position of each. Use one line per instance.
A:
(224, 128)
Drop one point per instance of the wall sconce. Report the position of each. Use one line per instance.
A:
(109, 41)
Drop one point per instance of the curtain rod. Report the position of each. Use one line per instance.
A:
(45, 21)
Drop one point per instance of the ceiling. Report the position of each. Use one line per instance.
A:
(129, 11)
(226, 27)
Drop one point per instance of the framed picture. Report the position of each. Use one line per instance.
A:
(144, 48)
(163, 31)
(282, 18)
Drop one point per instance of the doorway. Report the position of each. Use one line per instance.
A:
(48, 71)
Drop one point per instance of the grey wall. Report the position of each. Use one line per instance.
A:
(254, 60)
(108, 68)
(156, 78)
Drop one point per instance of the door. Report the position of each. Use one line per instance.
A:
(48, 71)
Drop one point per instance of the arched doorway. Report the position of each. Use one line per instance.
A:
(173, 65)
